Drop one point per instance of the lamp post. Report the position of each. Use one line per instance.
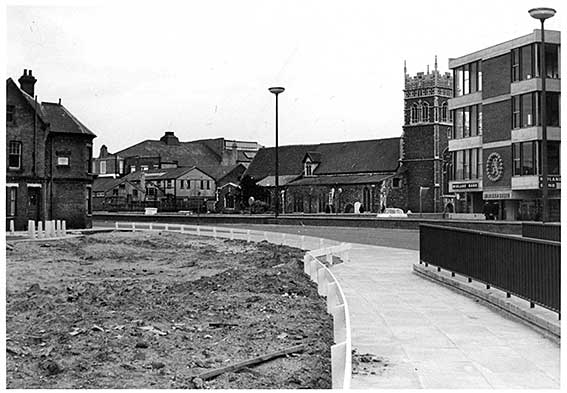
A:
(542, 14)
(277, 91)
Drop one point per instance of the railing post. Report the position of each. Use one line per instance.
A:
(115, 224)
(12, 226)
(283, 239)
(64, 227)
(198, 231)
(248, 236)
(215, 232)
(302, 242)
(231, 234)
(40, 229)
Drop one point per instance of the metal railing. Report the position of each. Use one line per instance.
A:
(538, 230)
(527, 268)
(327, 284)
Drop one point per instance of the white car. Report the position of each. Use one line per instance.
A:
(392, 212)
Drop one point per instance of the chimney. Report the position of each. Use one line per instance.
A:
(103, 151)
(27, 82)
(169, 139)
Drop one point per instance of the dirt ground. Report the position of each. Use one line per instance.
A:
(156, 310)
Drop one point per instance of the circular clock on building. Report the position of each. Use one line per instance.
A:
(494, 167)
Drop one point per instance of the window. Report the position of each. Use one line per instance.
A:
(526, 62)
(202, 184)
(188, 184)
(466, 122)
(552, 109)
(474, 164)
(516, 112)
(168, 183)
(458, 81)
(515, 64)
(528, 158)
(527, 105)
(145, 168)
(396, 182)
(135, 193)
(15, 155)
(63, 161)
(12, 194)
(525, 158)
(551, 61)
(115, 192)
(89, 159)
(467, 78)
(181, 183)
(102, 167)
(308, 169)
(516, 160)
(466, 164)
(414, 114)
(553, 163)
(425, 112)
(132, 168)
(229, 201)
(479, 119)
(120, 167)
(89, 201)
(444, 112)
(458, 123)
(208, 184)
(9, 113)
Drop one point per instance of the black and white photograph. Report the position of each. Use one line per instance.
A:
(276, 195)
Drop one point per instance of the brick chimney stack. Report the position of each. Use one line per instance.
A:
(27, 82)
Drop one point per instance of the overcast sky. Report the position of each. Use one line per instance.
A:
(130, 71)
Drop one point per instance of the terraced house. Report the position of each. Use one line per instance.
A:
(496, 144)
(48, 159)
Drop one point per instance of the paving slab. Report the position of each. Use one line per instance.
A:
(432, 337)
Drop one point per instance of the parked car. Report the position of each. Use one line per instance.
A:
(392, 212)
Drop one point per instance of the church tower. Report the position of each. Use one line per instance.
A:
(426, 130)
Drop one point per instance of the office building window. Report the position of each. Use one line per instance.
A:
(467, 164)
(467, 79)
(553, 157)
(525, 158)
(515, 64)
(516, 118)
(552, 61)
(552, 109)
(528, 158)
(15, 155)
(102, 167)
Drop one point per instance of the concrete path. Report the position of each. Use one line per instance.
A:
(432, 337)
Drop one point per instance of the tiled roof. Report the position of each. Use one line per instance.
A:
(159, 174)
(29, 99)
(341, 179)
(374, 156)
(62, 121)
(187, 154)
(101, 184)
(217, 172)
(270, 181)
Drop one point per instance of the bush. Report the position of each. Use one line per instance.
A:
(259, 207)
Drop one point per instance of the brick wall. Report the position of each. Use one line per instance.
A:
(496, 121)
(496, 76)
(69, 202)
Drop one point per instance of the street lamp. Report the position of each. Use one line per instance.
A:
(277, 91)
(542, 14)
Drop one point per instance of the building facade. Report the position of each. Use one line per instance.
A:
(343, 177)
(426, 130)
(497, 130)
(48, 169)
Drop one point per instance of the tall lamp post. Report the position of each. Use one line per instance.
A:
(542, 14)
(277, 91)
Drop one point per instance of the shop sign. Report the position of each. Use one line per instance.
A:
(552, 181)
(495, 195)
(464, 186)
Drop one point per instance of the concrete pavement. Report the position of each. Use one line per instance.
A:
(432, 337)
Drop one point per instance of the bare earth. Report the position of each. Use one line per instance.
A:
(155, 310)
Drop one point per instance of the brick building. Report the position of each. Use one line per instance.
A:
(496, 144)
(332, 177)
(426, 128)
(48, 161)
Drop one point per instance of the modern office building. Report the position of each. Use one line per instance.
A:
(497, 131)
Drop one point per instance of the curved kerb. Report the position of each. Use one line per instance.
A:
(327, 284)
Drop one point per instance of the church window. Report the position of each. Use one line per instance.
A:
(425, 112)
